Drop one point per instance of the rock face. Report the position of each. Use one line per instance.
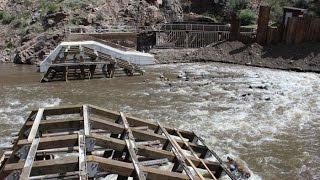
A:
(35, 49)
(173, 9)
(29, 43)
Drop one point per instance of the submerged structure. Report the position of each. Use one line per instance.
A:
(89, 59)
(86, 141)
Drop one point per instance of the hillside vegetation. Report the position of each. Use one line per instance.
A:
(32, 27)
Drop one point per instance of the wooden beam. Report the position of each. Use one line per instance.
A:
(180, 156)
(62, 110)
(222, 164)
(126, 169)
(54, 142)
(132, 148)
(35, 125)
(196, 156)
(139, 134)
(153, 153)
(82, 158)
(134, 121)
(26, 171)
(86, 124)
(57, 124)
(61, 165)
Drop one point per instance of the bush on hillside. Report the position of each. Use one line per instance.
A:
(247, 17)
(1, 15)
(7, 17)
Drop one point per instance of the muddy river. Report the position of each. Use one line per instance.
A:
(268, 119)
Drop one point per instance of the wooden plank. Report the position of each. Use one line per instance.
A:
(196, 156)
(141, 135)
(132, 148)
(53, 142)
(35, 125)
(224, 167)
(126, 169)
(52, 124)
(60, 165)
(140, 128)
(154, 153)
(149, 143)
(62, 110)
(179, 154)
(134, 121)
(82, 158)
(154, 162)
(86, 123)
(30, 159)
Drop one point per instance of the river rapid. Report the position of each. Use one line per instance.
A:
(268, 119)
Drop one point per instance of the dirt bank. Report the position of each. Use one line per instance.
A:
(303, 57)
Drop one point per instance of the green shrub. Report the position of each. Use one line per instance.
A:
(52, 6)
(1, 15)
(99, 16)
(212, 16)
(9, 45)
(247, 17)
(7, 18)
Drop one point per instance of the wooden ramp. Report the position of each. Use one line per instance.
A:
(79, 62)
(87, 142)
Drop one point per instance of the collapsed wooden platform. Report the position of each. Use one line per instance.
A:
(86, 142)
(75, 62)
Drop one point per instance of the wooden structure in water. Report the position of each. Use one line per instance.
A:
(87, 142)
(78, 62)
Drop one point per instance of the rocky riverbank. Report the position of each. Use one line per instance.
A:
(304, 57)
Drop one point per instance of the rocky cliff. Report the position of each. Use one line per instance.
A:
(32, 28)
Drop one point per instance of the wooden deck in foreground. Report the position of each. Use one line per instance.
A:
(87, 142)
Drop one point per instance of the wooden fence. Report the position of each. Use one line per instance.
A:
(297, 30)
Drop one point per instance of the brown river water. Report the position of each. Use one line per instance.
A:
(269, 119)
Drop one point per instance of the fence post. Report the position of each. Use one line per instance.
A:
(235, 27)
(263, 21)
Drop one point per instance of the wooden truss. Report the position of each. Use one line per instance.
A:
(86, 142)
(79, 62)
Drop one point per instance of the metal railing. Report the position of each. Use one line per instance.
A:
(105, 29)
(193, 27)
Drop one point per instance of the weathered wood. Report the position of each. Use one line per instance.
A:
(119, 145)
(82, 158)
(132, 148)
(126, 169)
(53, 142)
(62, 110)
(154, 162)
(141, 128)
(195, 155)
(57, 124)
(86, 124)
(149, 143)
(70, 134)
(35, 125)
(30, 159)
(141, 135)
(61, 165)
(223, 166)
(263, 21)
(134, 121)
(179, 154)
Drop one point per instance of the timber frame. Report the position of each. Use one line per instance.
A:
(86, 142)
